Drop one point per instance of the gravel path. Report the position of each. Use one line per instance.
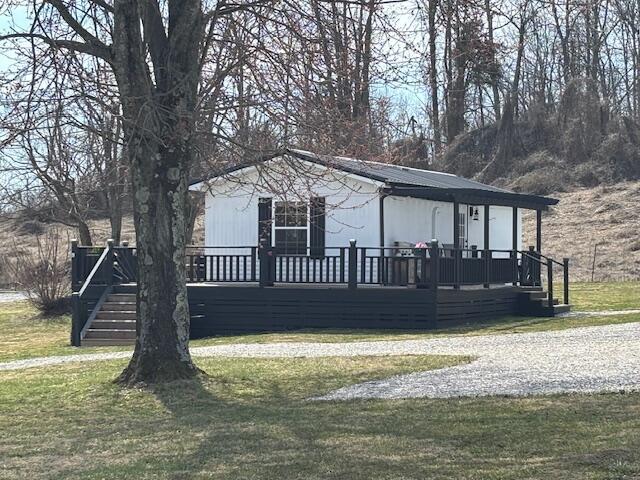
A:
(590, 359)
(7, 296)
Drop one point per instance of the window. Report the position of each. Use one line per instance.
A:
(290, 228)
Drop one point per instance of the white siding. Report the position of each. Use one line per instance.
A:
(231, 215)
(417, 220)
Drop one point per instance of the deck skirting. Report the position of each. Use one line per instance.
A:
(219, 310)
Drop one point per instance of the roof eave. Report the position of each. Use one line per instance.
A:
(474, 196)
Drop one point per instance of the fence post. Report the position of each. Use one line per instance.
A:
(565, 262)
(434, 264)
(550, 282)
(76, 319)
(486, 254)
(109, 263)
(253, 263)
(266, 257)
(457, 267)
(75, 283)
(434, 254)
(514, 273)
(353, 265)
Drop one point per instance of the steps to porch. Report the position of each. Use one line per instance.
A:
(115, 323)
(535, 302)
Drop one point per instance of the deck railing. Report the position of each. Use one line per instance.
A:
(351, 266)
(92, 277)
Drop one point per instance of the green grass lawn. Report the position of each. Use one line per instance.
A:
(604, 296)
(250, 419)
(33, 336)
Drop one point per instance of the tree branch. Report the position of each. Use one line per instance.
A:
(77, 27)
(100, 52)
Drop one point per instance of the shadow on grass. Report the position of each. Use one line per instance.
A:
(271, 431)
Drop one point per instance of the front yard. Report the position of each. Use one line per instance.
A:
(251, 418)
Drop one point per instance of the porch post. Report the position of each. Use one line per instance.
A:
(109, 262)
(514, 244)
(76, 319)
(486, 226)
(265, 255)
(353, 265)
(486, 254)
(539, 231)
(456, 244)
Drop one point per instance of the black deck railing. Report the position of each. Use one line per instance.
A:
(95, 268)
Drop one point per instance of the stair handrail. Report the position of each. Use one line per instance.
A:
(79, 324)
(541, 255)
(549, 264)
(94, 270)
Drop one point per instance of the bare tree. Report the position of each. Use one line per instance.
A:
(155, 52)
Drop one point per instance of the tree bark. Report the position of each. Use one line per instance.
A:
(495, 75)
(161, 352)
(84, 233)
(160, 151)
(433, 78)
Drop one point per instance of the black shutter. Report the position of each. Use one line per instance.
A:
(264, 219)
(317, 227)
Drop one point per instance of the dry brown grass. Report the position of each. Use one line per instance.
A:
(16, 241)
(606, 216)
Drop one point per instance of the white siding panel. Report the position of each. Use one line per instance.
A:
(352, 205)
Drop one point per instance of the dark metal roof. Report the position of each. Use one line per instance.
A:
(415, 182)
(397, 174)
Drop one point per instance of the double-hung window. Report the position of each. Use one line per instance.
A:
(290, 228)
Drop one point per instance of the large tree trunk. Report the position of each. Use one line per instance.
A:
(433, 78)
(158, 126)
(84, 233)
(506, 131)
(161, 352)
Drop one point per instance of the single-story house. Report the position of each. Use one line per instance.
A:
(302, 203)
(301, 240)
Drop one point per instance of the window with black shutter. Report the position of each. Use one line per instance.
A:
(317, 227)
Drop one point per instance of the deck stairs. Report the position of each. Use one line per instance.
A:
(115, 323)
(535, 302)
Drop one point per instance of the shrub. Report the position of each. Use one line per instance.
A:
(541, 181)
(45, 274)
(31, 227)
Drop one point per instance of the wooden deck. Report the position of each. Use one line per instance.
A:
(353, 290)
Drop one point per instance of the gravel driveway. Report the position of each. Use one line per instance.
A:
(591, 359)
